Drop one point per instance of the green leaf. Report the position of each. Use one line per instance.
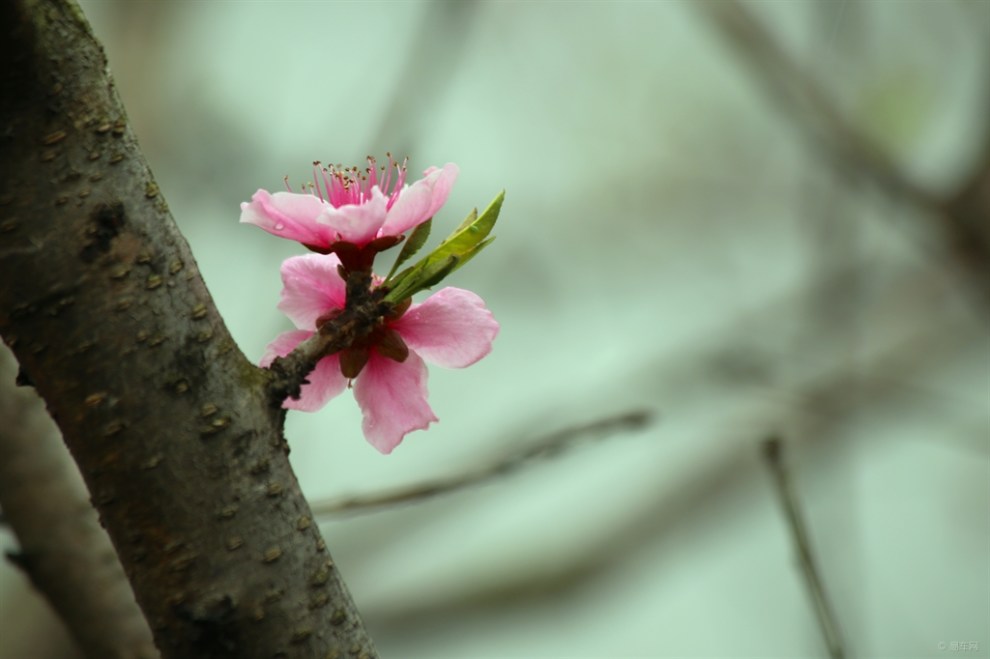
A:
(472, 216)
(457, 249)
(472, 230)
(467, 256)
(422, 275)
(413, 244)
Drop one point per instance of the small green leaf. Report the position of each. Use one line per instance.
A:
(413, 244)
(435, 272)
(467, 256)
(472, 216)
(472, 230)
(422, 275)
(456, 250)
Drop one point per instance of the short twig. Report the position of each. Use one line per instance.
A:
(773, 456)
(544, 447)
(363, 313)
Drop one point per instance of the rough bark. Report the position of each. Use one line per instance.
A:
(174, 431)
(62, 548)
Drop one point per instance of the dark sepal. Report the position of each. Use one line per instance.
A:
(352, 360)
(392, 346)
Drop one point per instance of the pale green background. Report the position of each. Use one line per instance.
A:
(666, 237)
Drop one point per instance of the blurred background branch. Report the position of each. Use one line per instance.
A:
(773, 456)
(542, 448)
(962, 217)
(62, 548)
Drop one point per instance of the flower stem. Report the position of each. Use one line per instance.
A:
(363, 313)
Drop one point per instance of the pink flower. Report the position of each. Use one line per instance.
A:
(451, 328)
(346, 211)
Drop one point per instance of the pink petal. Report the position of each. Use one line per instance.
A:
(409, 210)
(421, 200)
(442, 185)
(325, 381)
(355, 223)
(312, 288)
(287, 215)
(392, 396)
(451, 328)
(282, 345)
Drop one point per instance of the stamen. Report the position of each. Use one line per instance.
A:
(337, 196)
(401, 181)
(386, 176)
(372, 176)
(326, 184)
(339, 186)
(316, 183)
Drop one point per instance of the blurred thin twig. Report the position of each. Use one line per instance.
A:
(543, 448)
(960, 219)
(773, 450)
(801, 94)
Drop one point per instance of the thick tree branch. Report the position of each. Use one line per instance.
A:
(174, 431)
(62, 548)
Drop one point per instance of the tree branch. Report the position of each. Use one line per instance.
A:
(363, 313)
(174, 431)
(543, 448)
(960, 220)
(773, 450)
(800, 93)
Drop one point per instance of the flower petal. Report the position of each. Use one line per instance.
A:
(282, 345)
(421, 200)
(312, 288)
(451, 328)
(324, 382)
(355, 223)
(392, 396)
(443, 182)
(287, 215)
(409, 210)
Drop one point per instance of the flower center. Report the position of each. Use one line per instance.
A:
(340, 186)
